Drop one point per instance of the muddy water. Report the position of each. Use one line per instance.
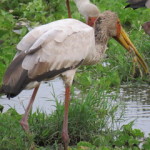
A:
(136, 99)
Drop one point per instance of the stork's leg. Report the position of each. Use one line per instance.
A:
(68, 7)
(65, 136)
(24, 120)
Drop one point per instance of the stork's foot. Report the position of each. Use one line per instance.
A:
(65, 138)
(24, 125)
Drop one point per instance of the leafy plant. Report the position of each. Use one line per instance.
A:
(88, 117)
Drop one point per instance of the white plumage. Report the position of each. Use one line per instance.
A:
(87, 9)
(62, 43)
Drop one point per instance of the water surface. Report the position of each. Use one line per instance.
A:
(137, 100)
(44, 101)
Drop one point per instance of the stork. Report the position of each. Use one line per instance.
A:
(88, 10)
(58, 49)
(138, 3)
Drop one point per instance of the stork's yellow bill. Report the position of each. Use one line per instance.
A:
(124, 40)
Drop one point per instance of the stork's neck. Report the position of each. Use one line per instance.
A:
(100, 45)
(100, 51)
(81, 2)
(88, 10)
(101, 37)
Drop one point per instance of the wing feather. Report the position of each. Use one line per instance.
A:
(30, 38)
(59, 48)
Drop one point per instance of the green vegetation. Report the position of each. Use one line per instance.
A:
(92, 117)
(91, 126)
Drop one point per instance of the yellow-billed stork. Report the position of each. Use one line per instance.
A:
(88, 10)
(58, 49)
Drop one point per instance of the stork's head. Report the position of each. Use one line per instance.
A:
(88, 10)
(108, 25)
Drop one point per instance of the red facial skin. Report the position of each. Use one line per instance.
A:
(91, 21)
(118, 28)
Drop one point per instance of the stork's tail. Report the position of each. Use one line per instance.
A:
(2, 91)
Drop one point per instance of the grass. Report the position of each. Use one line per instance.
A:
(89, 117)
(91, 125)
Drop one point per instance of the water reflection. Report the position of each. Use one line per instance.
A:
(136, 93)
(137, 100)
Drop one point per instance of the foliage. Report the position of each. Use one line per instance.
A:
(89, 134)
(89, 117)
(7, 39)
(129, 138)
(12, 136)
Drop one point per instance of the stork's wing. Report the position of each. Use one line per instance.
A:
(62, 46)
(65, 45)
(29, 39)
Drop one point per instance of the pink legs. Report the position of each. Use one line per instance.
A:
(65, 136)
(68, 7)
(24, 120)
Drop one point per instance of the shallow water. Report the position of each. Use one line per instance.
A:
(136, 99)
(45, 98)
